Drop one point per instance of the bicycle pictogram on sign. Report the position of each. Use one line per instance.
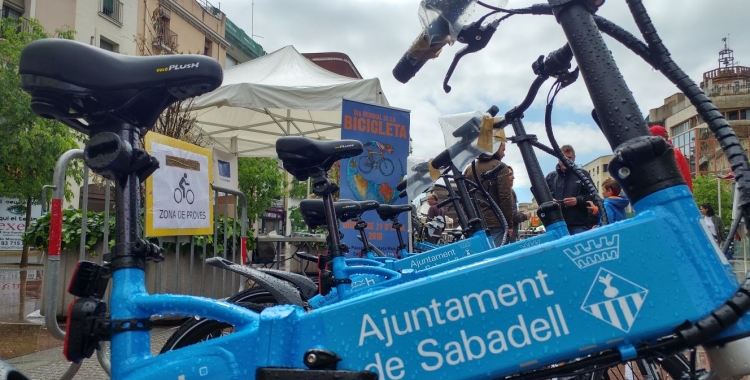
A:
(181, 193)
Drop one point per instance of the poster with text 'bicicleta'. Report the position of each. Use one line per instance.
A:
(178, 194)
(374, 174)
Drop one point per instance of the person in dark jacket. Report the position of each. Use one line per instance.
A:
(499, 189)
(567, 189)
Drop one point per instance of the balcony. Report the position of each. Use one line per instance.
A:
(18, 24)
(111, 10)
(165, 38)
(727, 89)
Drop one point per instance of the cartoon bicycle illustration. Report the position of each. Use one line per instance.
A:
(180, 193)
(375, 158)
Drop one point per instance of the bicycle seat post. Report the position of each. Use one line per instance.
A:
(401, 245)
(114, 152)
(361, 225)
(324, 188)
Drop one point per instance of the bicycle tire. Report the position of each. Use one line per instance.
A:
(188, 197)
(386, 167)
(362, 164)
(177, 192)
(198, 330)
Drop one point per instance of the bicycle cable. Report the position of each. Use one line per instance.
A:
(578, 172)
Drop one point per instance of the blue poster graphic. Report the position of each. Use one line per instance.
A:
(374, 174)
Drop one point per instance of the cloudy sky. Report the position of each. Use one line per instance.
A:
(375, 33)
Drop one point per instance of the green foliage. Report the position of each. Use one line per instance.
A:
(295, 216)
(298, 225)
(299, 190)
(261, 181)
(37, 235)
(705, 191)
(29, 145)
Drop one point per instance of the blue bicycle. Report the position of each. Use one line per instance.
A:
(618, 293)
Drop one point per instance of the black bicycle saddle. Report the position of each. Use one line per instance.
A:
(313, 211)
(302, 156)
(70, 80)
(387, 212)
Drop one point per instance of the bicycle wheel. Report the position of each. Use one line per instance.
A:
(190, 197)
(199, 330)
(386, 167)
(364, 163)
(669, 368)
(177, 195)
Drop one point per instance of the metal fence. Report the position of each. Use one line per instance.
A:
(182, 272)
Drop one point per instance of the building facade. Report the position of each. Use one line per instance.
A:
(109, 24)
(597, 169)
(242, 48)
(181, 26)
(728, 87)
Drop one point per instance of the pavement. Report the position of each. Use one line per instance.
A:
(50, 364)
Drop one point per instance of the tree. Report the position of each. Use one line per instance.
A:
(261, 182)
(705, 191)
(29, 145)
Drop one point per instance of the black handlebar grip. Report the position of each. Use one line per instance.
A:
(444, 202)
(493, 111)
(406, 68)
(401, 185)
(470, 129)
(491, 173)
(442, 160)
(402, 194)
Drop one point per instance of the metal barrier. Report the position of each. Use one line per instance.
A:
(54, 297)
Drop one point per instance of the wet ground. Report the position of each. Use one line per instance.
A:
(26, 343)
(20, 323)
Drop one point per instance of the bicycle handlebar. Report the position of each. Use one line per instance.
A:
(491, 173)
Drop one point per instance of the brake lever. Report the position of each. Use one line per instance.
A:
(476, 37)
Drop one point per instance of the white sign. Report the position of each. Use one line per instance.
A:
(178, 194)
(225, 170)
(13, 223)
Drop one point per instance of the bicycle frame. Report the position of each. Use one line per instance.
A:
(550, 305)
(618, 286)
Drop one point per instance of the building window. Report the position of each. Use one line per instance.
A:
(605, 167)
(10, 13)
(745, 114)
(207, 47)
(733, 115)
(112, 10)
(108, 45)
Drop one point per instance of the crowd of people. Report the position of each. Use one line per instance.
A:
(579, 208)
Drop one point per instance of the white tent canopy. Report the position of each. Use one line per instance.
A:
(280, 94)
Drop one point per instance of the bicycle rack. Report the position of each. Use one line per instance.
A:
(243, 229)
(52, 270)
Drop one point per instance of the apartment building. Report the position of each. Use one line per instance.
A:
(242, 48)
(597, 169)
(109, 24)
(181, 26)
(728, 87)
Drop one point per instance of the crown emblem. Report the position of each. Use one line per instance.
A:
(595, 251)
